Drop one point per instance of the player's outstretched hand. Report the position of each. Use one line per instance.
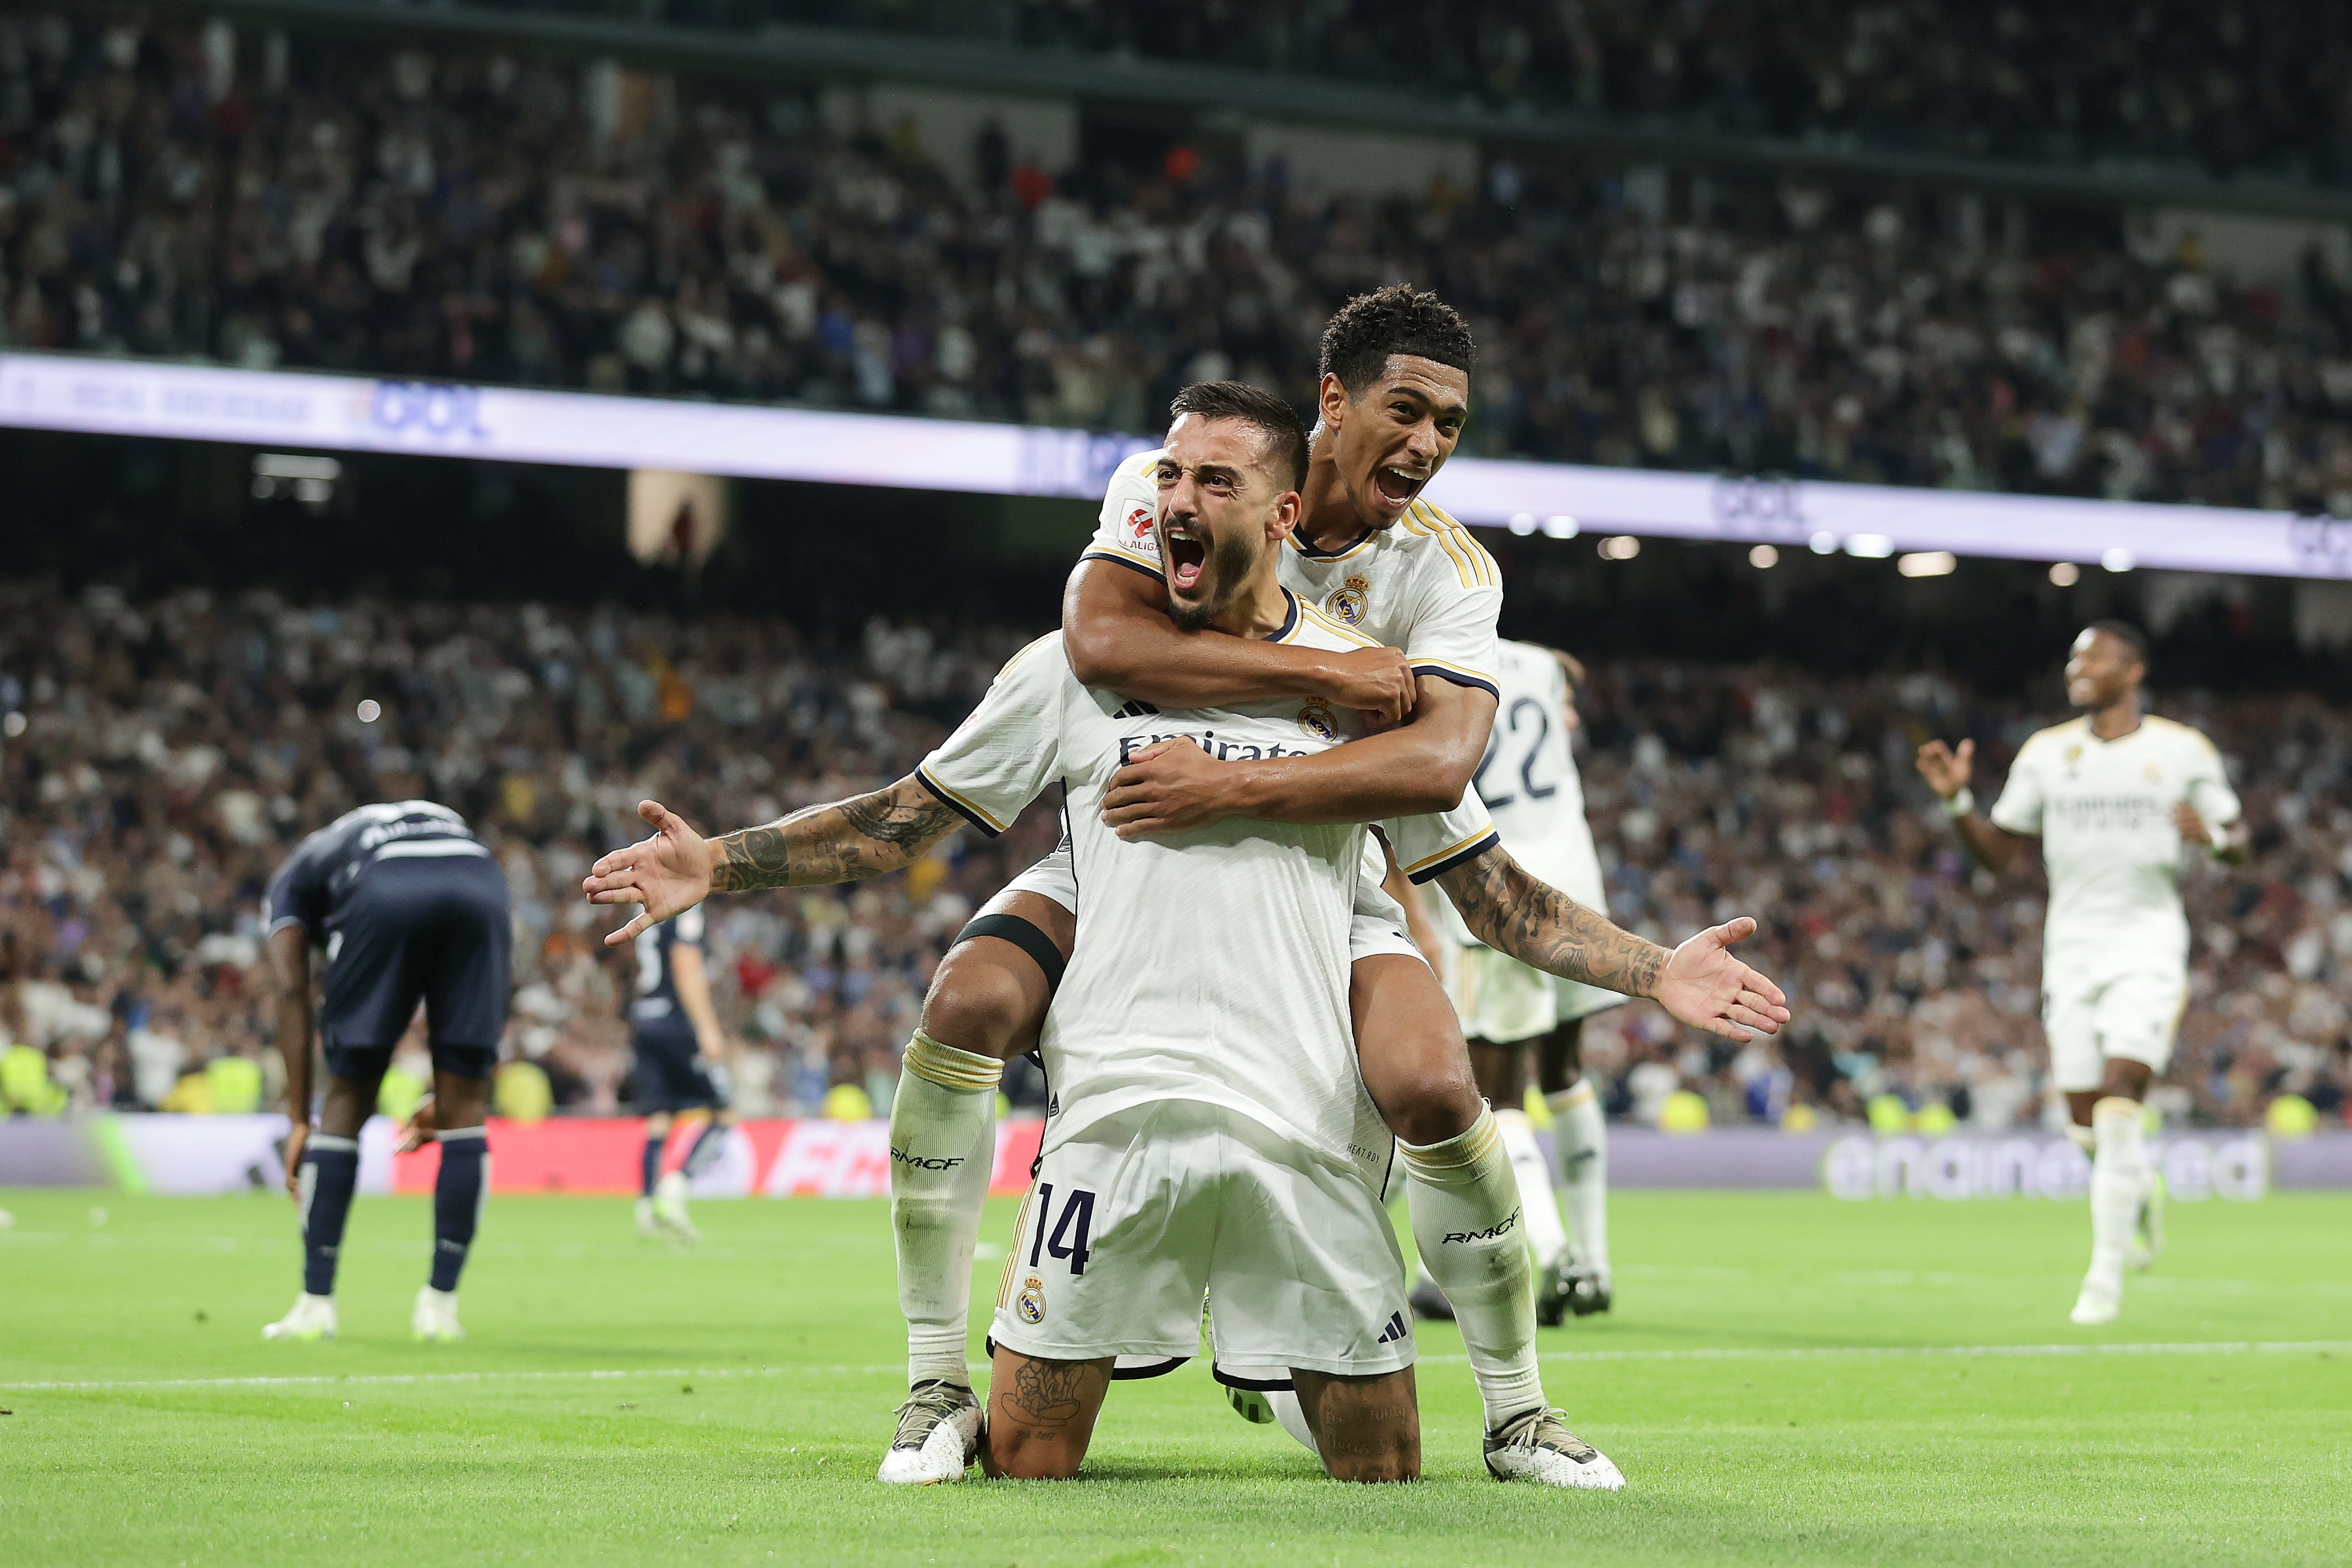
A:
(669, 873)
(418, 1130)
(1704, 986)
(1375, 681)
(1946, 768)
(1165, 788)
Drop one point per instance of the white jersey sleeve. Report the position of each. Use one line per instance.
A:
(2208, 788)
(1427, 846)
(2019, 809)
(1125, 530)
(1453, 610)
(1009, 747)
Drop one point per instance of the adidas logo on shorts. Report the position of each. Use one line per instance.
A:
(1396, 1332)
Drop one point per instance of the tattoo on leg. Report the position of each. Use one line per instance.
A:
(1048, 1394)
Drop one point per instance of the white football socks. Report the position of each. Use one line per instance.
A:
(1466, 1224)
(942, 1148)
(2118, 1183)
(1579, 1136)
(1547, 1237)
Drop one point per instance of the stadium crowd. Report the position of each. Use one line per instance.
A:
(2222, 88)
(471, 215)
(159, 759)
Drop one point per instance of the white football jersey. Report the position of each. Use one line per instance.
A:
(1424, 586)
(1210, 964)
(2103, 809)
(1529, 781)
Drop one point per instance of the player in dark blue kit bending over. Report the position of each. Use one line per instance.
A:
(407, 906)
(681, 1065)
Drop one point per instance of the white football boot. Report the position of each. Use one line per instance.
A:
(435, 1320)
(1537, 1447)
(669, 1207)
(2100, 1303)
(938, 1436)
(647, 1225)
(313, 1318)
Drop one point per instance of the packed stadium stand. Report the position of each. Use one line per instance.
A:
(2264, 87)
(162, 756)
(471, 212)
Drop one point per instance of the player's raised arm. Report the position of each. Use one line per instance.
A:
(1947, 770)
(846, 841)
(1116, 628)
(1700, 983)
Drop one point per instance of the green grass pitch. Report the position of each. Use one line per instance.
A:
(1786, 1379)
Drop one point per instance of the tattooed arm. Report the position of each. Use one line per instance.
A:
(846, 841)
(1699, 982)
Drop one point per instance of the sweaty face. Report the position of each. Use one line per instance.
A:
(1218, 498)
(2100, 670)
(1392, 441)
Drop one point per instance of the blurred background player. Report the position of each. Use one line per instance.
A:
(1528, 780)
(680, 1055)
(2112, 795)
(407, 906)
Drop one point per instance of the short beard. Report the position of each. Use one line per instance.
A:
(1228, 566)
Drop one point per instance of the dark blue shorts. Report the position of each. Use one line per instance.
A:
(431, 929)
(669, 1072)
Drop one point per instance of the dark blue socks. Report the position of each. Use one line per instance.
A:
(331, 1172)
(457, 1195)
(649, 1169)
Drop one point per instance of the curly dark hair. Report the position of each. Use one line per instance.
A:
(1286, 437)
(1397, 319)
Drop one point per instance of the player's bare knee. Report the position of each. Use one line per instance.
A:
(1017, 1456)
(1429, 1105)
(981, 1003)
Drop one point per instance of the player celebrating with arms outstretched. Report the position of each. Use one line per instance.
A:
(2112, 795)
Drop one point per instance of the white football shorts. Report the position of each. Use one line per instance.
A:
(1378, 925)
(1138, 1215)
(2135, 1015)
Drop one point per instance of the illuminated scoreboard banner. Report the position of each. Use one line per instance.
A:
(347, 414)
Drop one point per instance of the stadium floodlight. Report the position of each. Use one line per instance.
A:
(2117, 560)
(370, 710)
(1823, 543)
(1927, 563)
(1763, 557)
(1620, 547)
(1523, 523)
(1560, 528)
(2065, 574)
(1870, 547)
(13, 725)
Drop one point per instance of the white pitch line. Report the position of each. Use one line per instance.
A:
(1732, 1353)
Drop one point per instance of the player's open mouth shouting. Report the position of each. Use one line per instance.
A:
(1187, 558)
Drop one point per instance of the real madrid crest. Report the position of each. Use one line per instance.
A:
(2155, 774)
(1316, 720)
(1031, 1302)
(1345, 603)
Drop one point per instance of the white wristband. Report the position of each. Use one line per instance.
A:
(1961, 804)
(2219, 836)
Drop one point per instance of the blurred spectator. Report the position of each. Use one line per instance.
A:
(462, 215)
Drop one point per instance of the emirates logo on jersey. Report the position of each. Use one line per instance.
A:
(1345, 603)
(1138, 523)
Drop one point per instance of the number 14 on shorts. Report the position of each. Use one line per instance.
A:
(1068, 1238)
